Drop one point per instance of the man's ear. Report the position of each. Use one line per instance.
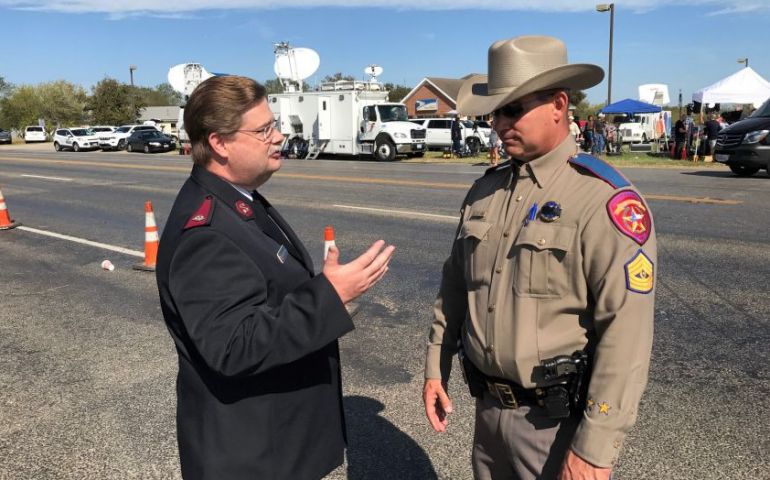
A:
(218, 144)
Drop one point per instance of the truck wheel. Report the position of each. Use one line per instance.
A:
(384, 150)
(742, 170)
(75, 147)
(56, 146)
(130, 148)
(121, 144)
(644, 138)
(474, 145)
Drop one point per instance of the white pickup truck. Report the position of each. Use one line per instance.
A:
(117, 140)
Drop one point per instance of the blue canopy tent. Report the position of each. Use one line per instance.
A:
(630, 106)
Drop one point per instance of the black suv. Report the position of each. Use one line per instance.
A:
(745, 146)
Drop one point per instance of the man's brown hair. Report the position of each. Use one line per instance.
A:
(216, 106)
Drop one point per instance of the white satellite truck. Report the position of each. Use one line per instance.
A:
(642, 127)
(340, 118)
(184, 78)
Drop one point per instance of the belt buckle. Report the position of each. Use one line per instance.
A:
(505, 395)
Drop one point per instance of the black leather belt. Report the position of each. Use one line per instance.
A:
(511, 394)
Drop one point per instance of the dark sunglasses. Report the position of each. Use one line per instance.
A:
(514, 109)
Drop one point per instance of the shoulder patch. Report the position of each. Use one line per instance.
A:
(244, 209)
(630, 215)
(640, 273)
(600, 169)
(202, 216)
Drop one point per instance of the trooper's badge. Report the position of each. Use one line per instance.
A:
(550, 212)
(640, 273)
(629, 214)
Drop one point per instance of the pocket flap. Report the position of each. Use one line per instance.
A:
(543, 236)
(474, 228)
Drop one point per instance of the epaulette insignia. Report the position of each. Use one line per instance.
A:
(629, 214)
(640, 273)
(244, 209)
(600, 169)
(202, 216)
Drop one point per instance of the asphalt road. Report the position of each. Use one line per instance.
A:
(87, 368)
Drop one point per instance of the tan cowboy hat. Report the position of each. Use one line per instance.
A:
(520, 66)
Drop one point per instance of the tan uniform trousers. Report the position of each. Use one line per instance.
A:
(519, 444)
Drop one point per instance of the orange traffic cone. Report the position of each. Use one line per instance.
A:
(328, 239)
(150, 240)
(5, 219)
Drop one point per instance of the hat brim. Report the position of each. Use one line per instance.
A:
(474, 98)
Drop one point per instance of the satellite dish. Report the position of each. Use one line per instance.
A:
(296, 64)
(654, 93)
(373, 71)
(184, 77)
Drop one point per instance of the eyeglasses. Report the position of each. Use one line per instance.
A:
(514, 109)
(265, 133)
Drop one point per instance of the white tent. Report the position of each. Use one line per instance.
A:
(744, 86)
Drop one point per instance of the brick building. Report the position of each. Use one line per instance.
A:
(433, 97)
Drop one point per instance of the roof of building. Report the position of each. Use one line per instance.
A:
(164, 114)
(449, 87)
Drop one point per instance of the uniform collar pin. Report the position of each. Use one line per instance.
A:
(550, 211)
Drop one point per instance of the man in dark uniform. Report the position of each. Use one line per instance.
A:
(258, 388)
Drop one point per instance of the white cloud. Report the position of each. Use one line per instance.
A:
(184, 8)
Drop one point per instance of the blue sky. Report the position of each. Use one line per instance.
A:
(686, 44)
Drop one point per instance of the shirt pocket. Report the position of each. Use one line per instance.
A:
(474, 235)
(542, 260)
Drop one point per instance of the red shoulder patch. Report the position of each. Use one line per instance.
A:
(201, 216)
(630, 215)
(244, 209)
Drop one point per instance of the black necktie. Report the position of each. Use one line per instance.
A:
(271, 228)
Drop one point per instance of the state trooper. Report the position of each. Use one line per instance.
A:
(548, 292)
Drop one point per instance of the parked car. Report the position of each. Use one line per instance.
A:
(117, 140)
(439, 133)
(745, 146)
(34, 133)
(5, 136)
(149, 141)
(75, 139)
(102, 129)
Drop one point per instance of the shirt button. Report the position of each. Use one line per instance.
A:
(491, 308)
(491, 348)
(505, 234)
(541, 242)
(498, 270)
(518, 199)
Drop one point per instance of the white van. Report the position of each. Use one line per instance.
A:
(34, 134)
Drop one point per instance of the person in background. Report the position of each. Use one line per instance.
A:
(598, 141)
(588, 134)
(574, 129)
(712, 130)
(457, 136)
(680, 138)
(494, 145)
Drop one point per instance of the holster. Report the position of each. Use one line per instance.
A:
(472, 376)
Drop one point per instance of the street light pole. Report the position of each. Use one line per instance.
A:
(744, 61)
(604, 7)
(131, 69)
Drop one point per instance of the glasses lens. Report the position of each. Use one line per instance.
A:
(512, 110)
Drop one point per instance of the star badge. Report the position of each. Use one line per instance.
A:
(604, 408)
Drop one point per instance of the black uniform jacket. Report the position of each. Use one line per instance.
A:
(258, 388)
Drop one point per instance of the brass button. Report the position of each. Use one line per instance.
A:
(491, 348)
(491, 308)
(518, 199)
(505, 234)
(541, 242)
(498, 270)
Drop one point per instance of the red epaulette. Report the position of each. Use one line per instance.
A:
(202, 216)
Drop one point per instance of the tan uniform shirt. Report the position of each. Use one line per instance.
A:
(517, 292)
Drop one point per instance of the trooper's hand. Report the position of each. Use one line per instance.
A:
(351, 280)
(437, 403)
(575, 468)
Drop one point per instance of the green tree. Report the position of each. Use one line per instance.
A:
(577, 97)
(396, 93)
(162, 95)
(22, 107)
(273, 86)
(5, 88)
(62, 104)
(337, 77)
(114, 103)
